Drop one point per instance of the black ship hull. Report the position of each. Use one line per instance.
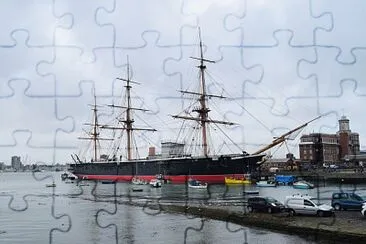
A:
(175, 170)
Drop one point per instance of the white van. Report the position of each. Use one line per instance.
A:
(305, 204)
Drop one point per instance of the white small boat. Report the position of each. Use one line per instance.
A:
(302, 184)
(138, 181)
(68, 176)
(266, 183)
(155, 183)
(196, 184)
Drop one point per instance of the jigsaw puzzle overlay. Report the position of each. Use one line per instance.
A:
(279, 62)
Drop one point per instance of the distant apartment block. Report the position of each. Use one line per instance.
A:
(319, 148)
(2, 165)
(16, 163)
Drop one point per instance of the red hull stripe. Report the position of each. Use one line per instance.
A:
(173, 179)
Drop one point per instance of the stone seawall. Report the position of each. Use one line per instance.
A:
(347, 226)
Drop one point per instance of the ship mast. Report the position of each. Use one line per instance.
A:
(128, 121)
(94, 134)
(203, 110)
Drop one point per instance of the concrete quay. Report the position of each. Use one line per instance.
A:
(326, 175)
(347, 226)
(343, 227)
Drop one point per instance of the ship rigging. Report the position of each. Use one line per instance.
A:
(203, 119)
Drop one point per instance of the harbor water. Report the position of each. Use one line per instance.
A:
(91, 212)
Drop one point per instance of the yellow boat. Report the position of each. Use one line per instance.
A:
(232, 180)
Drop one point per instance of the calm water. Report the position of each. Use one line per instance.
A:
(30, 212)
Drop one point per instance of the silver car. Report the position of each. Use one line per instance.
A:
(304, 204)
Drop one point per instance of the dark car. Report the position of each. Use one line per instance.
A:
(346, 200)
(265, 204)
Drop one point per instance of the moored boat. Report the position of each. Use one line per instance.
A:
(68, 176)
(302, 184)
(196, 184)
(233, 180)
(266, 183)
(138, 181)
(156, 183)
(285, 179)
(64, 176)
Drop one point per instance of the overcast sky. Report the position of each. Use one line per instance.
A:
(280, 63)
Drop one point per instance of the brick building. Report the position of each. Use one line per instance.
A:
(319, 148)
(349, 141)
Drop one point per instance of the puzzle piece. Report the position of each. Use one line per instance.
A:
(27, 208)
(84, 200)
(222, 76)
(344, 14)
(329, 83)
(24, 221)
(124, 13)
(307, 108)
(221, 80)
(117, 222)
(263, 18)
(211, 16)
(44, 120)
(285, 76)
(336, 104)
(343, 102)
(30, 17)
(101, 72)
(150, 74)
(16, 193)
(83, 31)
(17, 69)
(74, 107)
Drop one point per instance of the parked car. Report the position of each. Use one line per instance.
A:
(346, 200)
(331, 166)
(363, 210)
(267, 204)
(305, 204)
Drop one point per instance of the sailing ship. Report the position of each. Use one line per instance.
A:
(175, 167)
